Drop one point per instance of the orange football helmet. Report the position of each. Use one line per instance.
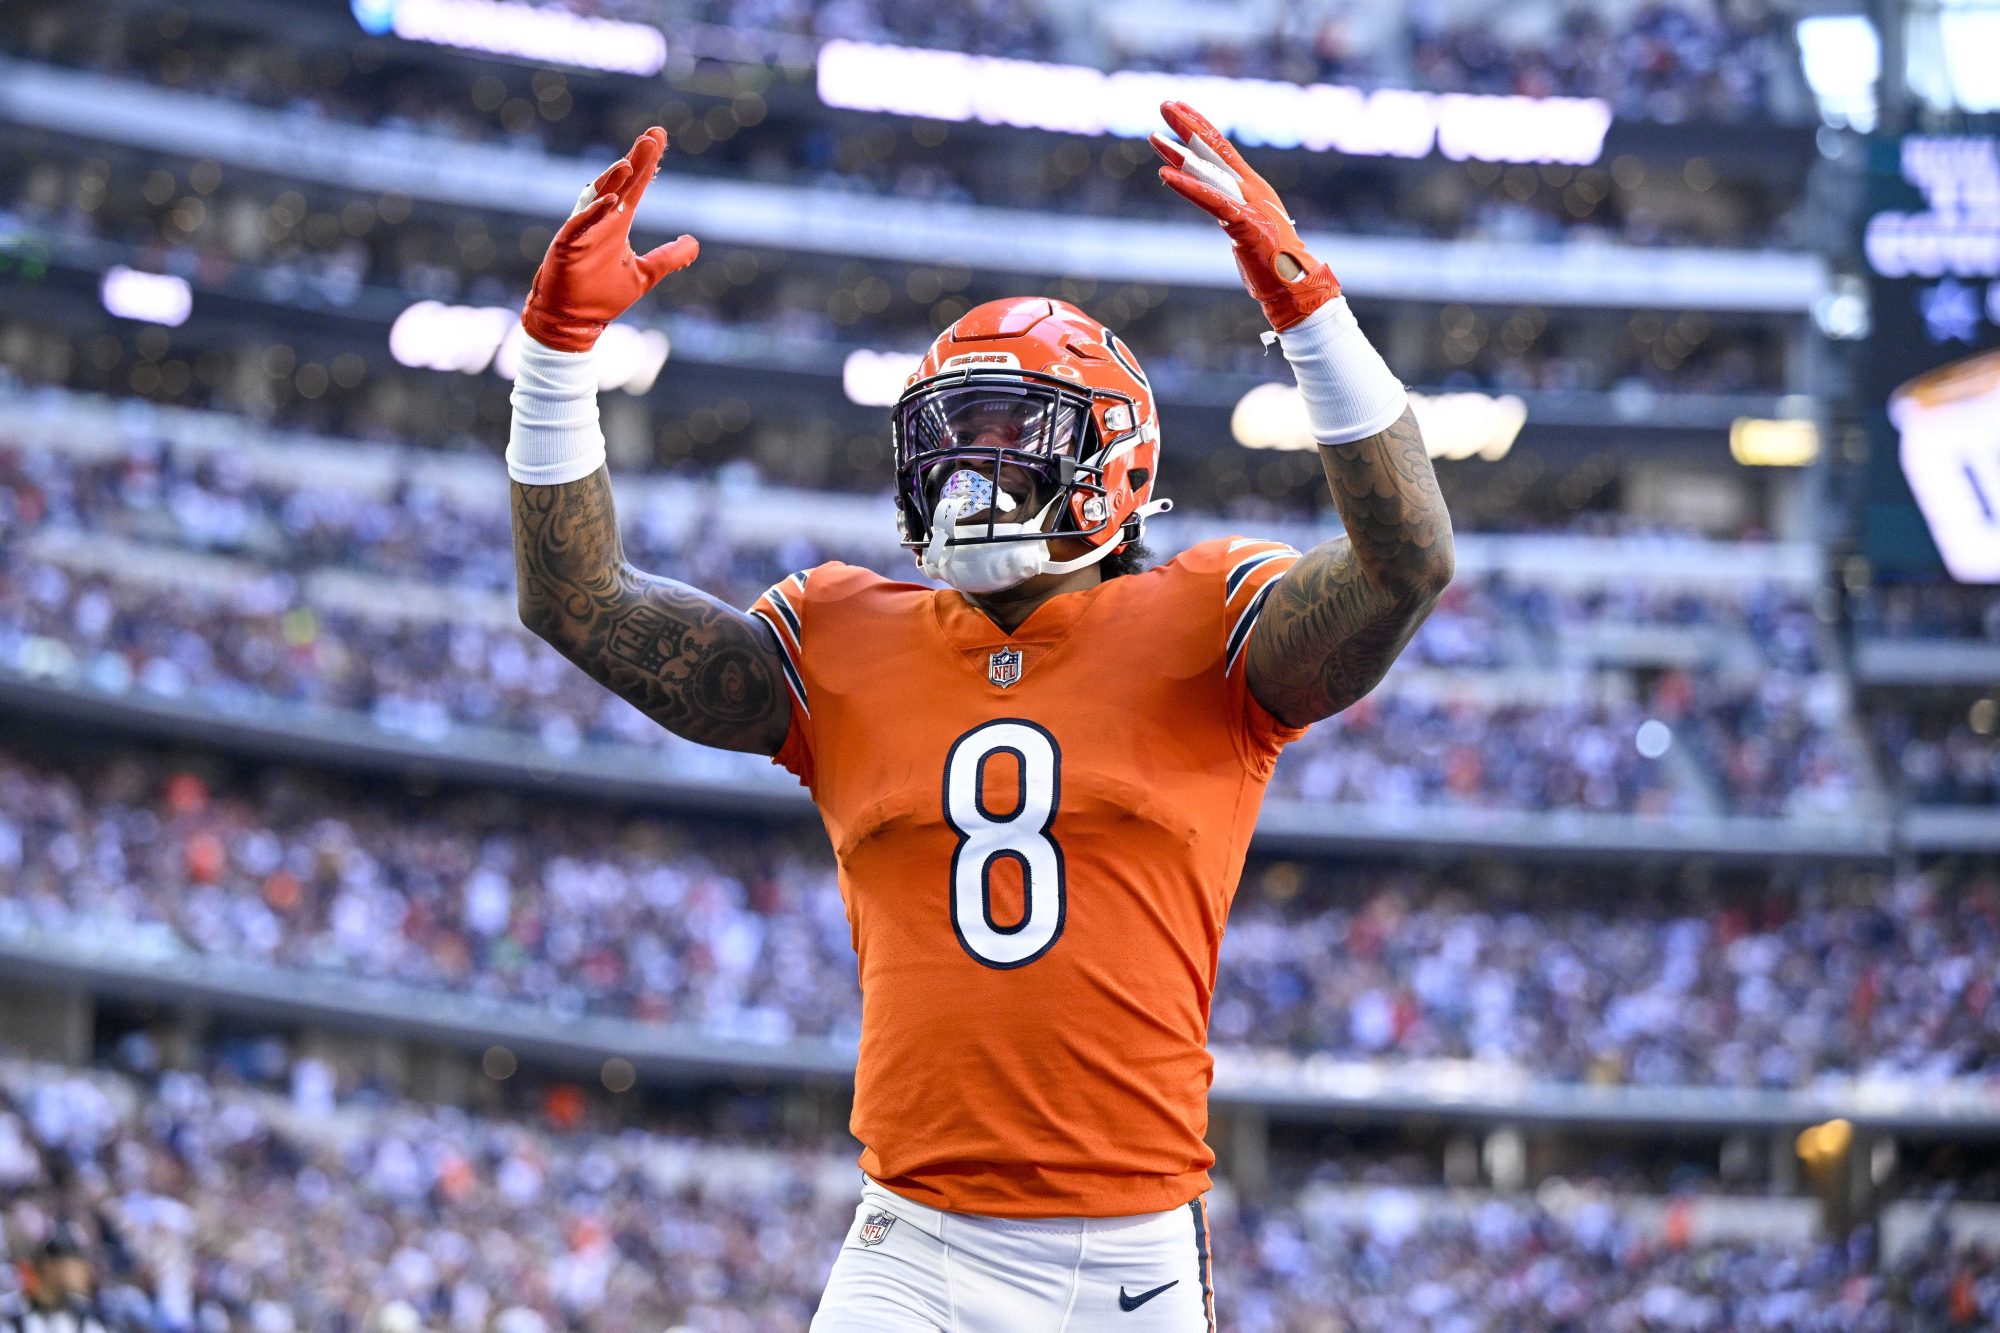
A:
(1033, 384)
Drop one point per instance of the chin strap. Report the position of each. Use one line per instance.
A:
(937, 557)
(1084, 561)
(1095, 554)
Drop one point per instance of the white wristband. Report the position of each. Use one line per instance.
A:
(1349, 390)
(555, 436)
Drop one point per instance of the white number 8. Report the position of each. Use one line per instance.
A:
(1021, 836)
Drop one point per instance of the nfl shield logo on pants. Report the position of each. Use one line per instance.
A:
(875, 1227)
(1003, 668)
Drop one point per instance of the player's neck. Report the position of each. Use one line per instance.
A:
(1010, 607)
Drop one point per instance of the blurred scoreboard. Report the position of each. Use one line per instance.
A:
(1928, 382)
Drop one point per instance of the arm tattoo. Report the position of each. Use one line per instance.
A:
(1338, 618)
(697, 667)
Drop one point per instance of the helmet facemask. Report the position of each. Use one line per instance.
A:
(968, 444)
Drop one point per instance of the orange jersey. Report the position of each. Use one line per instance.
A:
(1038, 837)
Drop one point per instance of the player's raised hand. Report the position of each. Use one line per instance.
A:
(1205, 168)
(590, 276)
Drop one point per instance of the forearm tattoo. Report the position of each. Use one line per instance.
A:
(1339, 617)
(699, 668)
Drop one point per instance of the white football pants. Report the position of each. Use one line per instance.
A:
(906, 1268)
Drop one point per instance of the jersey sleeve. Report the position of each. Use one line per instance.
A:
(1249, 568)
(783, 608)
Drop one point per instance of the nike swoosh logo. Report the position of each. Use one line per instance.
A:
(1129, 1303)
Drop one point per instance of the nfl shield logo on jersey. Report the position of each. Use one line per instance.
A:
(1003, 668)
(875, 1227)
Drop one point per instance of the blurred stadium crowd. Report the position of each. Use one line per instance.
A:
(203, 1202)
(740, 935)
(1752, 701)
(320, 538)
(1944, 754)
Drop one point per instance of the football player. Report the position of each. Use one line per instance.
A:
(1040, 779)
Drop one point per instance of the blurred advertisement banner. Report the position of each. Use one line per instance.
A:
(1076, 99)
(431, 335)
(542, 34)
(1456, 426)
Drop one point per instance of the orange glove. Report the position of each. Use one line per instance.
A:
(1205, 168)
(590, 276)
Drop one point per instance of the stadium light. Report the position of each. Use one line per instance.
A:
(433, 336)
(1950, 61)
(1841, 55)
(156, 298)
(470, 339)
(1841, 312)
(544, 34)
(1456, 426)
(1077, 99)
(875, 379)
(1765, 442)
(1469, 425)
(1271, 416)
(1826, 1142)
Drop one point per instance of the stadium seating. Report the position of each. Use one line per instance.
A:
(264, 610)
(736, 934)
(381, 974)
(204, 1202)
